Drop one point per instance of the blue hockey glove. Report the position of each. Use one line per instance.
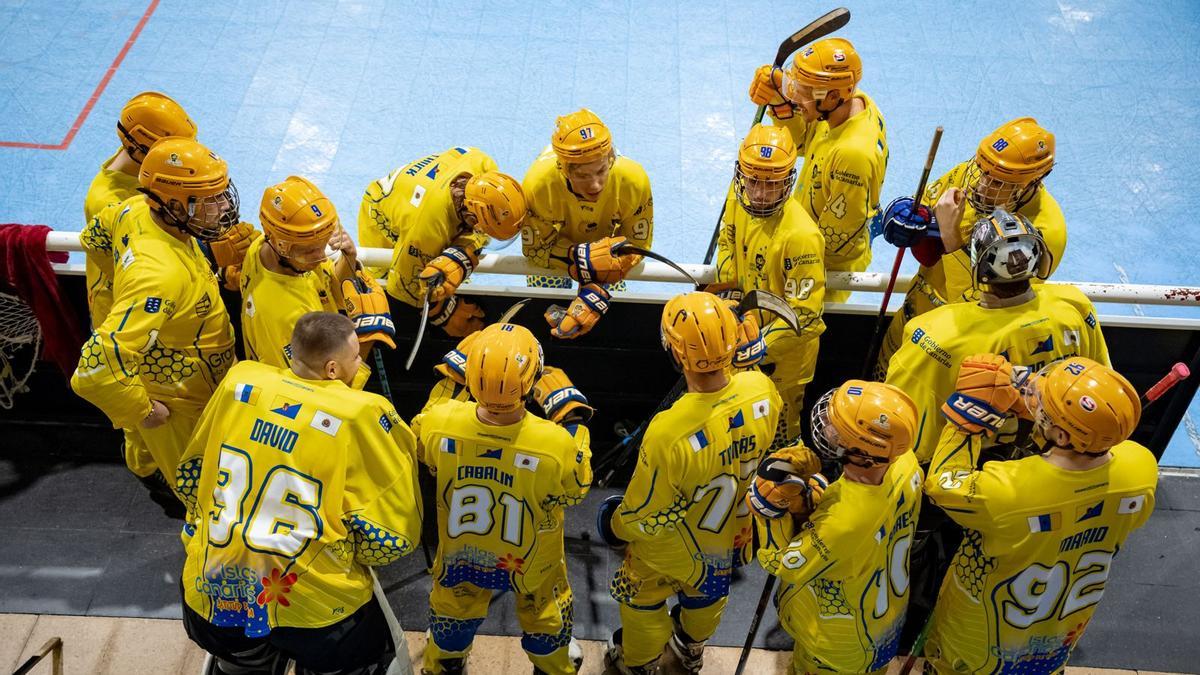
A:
(903, 227)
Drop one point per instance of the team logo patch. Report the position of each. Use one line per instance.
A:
(385, 423)
(286, 407)
(1088, 512)
(883, 422)
(153, 305)
(494, 453)
(174, 160)
(1041, 345)
(1087, 403)
(839, 55)
(245, 393)
(203, 305)
(1090, 320)
(737, 420)
(277, 202)
(1048, 522)
(324, 422)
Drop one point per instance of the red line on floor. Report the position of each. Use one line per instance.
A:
(87, 108)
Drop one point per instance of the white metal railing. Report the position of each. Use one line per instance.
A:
(651, 270)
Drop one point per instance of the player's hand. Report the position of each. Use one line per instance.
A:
(604, 516)
(726, 290)
(766, 89)
(948, 213)
(454, 363)
(585, 310)
(457, 316)
(983, 394)
(367, 306)
(751, 348)
(596, 262)
(158, 415)
(230, 277)
(562, 402)
(343, 242)
(781, 487)
(446, 272)
(230, 248)
(904, 226)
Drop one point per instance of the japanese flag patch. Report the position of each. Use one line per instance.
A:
(323, 421)
(1131, 504)
(762, 408)
(526, 462)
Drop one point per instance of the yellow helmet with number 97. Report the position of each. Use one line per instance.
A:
(580, 137)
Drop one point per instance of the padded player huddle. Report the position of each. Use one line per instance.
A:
(967, 505)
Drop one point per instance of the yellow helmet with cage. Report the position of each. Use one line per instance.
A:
(497, 202)
(580, 137)
(149, 116)
(189, 187)
(826, 65)
(297, 219)
(766, 169)
(1009, 165)
(699, 331)
(1094, 404)
(864, 423)
(503, 364)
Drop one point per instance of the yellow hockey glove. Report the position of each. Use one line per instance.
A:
(595, 262)
(766, 88)
(454, 363)
(457, 316)
(445, 273)
(983, 394)
(367, 306)
(560, 400)
(230, 248)
(585, 310)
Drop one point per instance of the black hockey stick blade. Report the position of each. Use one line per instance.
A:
(766, 301)
(420, 332)
(509, 313)
(830, 22)
(628, 248)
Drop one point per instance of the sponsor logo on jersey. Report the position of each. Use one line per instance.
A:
(1088, 512)
(1041, 345)
(762, 408)
(152, 305)
(273, 435)
(526, 462)
(737, 420)
(698, 441)
(1090, 320)
(246, 393)
(1087, 403)
(1129, 505)
(449, 445)
(286, 407)
(323, 421)
(385, 423)
(1047, 522)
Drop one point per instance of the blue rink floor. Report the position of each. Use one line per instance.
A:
(343, 92)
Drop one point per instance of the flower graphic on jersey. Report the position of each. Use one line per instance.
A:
(1074, 635)
(276, 587)
(510, 562)
(742, 538)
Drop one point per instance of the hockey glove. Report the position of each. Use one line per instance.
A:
(765, 90)
(604, 516)
(445, 273)
(230, 277)
(596, 262)
(781, 487)
(454, 363)
(983, 394)
(367, 306)
(457, 316)
(751, 348)
(726, 290)
(230, 248)
(585, 310)
(560, 400)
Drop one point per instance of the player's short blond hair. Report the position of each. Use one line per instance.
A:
(318, 336)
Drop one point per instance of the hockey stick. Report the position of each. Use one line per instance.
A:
(758, 614)
(1178, 373)
(509, 313)
(877, 335)
(760, 300)
(814, 31)
(627, 248)
(420, 330)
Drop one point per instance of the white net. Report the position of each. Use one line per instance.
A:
(20, 342)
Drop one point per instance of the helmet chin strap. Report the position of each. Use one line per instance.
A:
(284, 262)
(823, 115)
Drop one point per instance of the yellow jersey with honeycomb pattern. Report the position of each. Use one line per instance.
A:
(167, 337)
(840, 180)
(501, 493)
(294, 487)
(410, 212)
(1056, 322)
(108, 187)
(558, 219)
(844, 573)
(684, 514)
(1037, 550)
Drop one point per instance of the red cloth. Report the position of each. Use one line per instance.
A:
(25, 266)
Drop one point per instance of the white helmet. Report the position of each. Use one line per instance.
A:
(1007, 248)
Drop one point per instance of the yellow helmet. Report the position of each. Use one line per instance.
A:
(768, 158)
(1093, 403)
(864, 423)
(503, 364)
(190, 187)
(296, 213)
(581, 137)
(148, 117)
(699, 331)
(1009, 165)
(826, 65)
(497, 202)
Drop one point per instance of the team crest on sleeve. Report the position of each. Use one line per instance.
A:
(152, 305)
(326, 423)
(1090, 320)
(385, 423)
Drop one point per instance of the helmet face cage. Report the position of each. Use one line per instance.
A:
(986, 193)
(828, 440)
(996, 258)
(777, 189)
(208, 218)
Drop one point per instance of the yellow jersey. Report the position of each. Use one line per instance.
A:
(108, 187)
(1037, 550)
(167, 337)
(1056, 322)
(840, 181)
(501, 493)
(844, 573)
(411, 212)
(684, 513)
(558, 219)
(294, 487)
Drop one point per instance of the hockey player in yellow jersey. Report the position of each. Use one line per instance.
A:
(436, 214)
(288, 274)
(504, 477)
(297, 485)
(840, 550)
(683, 518)
(153, 362)
(769, 242)
(1031, 325)
(843, 138)
(584, 200)
(1041, 531)
(1007, 172)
